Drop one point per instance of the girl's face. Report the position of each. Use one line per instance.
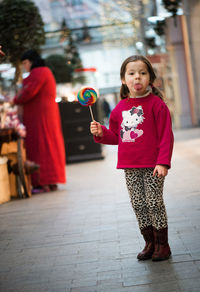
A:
(27, 65)
(137, 78)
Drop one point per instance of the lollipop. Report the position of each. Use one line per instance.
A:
(86, 97)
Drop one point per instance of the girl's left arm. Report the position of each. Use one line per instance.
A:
(160, 170)
(165, 137)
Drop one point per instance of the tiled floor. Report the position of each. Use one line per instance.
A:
(85, 238)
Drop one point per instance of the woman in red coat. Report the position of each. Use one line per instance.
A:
(44, 140)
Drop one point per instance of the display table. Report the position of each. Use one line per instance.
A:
(79, 143)
(4, 181)
(12, 147)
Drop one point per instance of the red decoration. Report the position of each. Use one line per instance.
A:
(85, 70)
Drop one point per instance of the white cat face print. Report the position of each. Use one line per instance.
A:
(131, 119)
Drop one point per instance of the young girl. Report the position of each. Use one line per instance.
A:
(140, 125)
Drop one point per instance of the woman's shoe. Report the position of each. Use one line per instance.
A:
(40, 189)
(36, 190)
(53, 187)
(46, 188)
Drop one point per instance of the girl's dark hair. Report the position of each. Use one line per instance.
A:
(34, 57)
(124, 91)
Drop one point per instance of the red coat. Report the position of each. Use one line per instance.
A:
(44, 140)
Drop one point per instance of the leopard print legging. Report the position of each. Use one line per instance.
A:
(146, 194)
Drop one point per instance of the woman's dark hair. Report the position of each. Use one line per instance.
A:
(124, 91)
(34, 57)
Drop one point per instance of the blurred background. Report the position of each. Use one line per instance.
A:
(84, 42)
(82, 238)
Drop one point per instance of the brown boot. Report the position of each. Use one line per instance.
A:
(162, 248)
(148, 250)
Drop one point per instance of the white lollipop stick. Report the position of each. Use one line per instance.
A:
(91, 112)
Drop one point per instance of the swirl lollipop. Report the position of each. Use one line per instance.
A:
(86, 97)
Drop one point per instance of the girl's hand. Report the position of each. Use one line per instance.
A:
(95, 129)
(161, 170)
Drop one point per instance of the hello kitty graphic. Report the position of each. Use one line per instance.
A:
(131, 119)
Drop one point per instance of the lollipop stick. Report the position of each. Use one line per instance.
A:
(91, 112)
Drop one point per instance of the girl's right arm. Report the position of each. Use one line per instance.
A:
(102, 134)
(96, 129)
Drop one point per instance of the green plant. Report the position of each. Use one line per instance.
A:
(21, 28)
(61, 70)
(172, 6)
(150, 42)
(72, 54)
(159, 27)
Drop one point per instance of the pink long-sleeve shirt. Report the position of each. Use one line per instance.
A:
(142, 129)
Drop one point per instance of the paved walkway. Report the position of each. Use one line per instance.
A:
(85, 238)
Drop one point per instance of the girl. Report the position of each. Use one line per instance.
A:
(140, 125)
